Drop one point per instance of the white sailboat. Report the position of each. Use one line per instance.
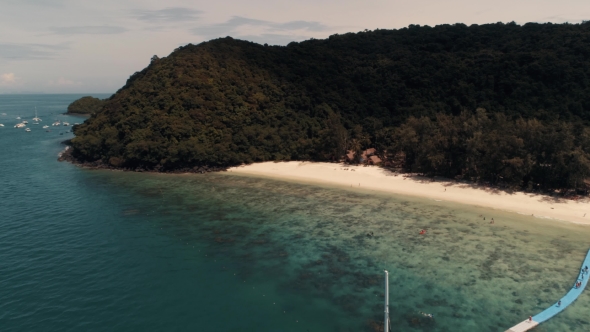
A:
(20, 125)
(1, 125)
(36, 118)
(45, 126)
(28, 129)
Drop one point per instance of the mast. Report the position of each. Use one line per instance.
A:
(386, 321)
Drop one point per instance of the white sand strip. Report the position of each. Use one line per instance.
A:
(376, 178)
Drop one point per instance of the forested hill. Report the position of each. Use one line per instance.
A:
(227, 102)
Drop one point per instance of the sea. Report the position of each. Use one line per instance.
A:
(99, 250)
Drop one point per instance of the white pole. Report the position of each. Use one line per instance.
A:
(386, 326)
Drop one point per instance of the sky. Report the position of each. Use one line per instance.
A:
(81, 46)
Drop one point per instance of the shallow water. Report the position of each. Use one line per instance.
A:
(102, 250)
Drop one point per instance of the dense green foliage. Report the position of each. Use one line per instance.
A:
(494, 148)
(85, 105)
(227, 102)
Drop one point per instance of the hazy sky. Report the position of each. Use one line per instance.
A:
(94, 46)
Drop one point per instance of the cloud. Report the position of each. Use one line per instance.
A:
(63, 82)
(7, 79)
(242, 27)
(10, 81)
(30, 51)
(88, 30)
(171, 15)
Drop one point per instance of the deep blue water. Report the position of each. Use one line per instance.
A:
(88, 250)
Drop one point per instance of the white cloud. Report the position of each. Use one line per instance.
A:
(7, 79)
(63, 82)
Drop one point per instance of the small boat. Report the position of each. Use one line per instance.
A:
(56, 123)
(66, 123)
(3, 114)
(1, 125)
(26, 122)
(18, 117)
(28, 129)
(36, 118)
(45, 126)
(20, 125)
(75, 124)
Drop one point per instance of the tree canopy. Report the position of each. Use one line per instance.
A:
(494, 102)
(85, 105)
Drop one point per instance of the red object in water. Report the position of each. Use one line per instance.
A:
(422, 232)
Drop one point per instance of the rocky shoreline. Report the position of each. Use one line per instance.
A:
(67, 155)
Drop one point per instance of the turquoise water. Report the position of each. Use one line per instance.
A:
(114, 251)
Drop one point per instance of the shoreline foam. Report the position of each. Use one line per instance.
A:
(379, 179)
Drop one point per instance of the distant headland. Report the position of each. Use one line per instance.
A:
(86, 105)
(500, 103)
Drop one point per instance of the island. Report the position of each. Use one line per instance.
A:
(501, 104)
(85, 105)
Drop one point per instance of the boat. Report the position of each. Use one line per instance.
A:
(45, 126)
(56, 123)
(20, 125)
(36, 118)
(18, 117)
(28, 129)
(1, 125)
(66, 123)
(25, 122)
(3, 114)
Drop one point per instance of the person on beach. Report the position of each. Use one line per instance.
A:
(559, 303)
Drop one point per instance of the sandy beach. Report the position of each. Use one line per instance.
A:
(379, 179)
